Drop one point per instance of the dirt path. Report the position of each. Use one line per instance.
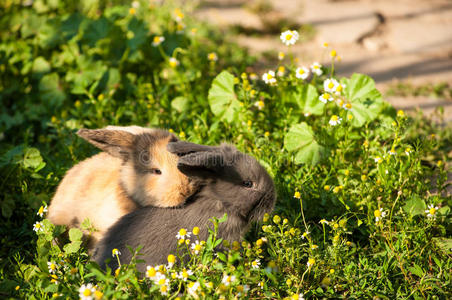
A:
(390, 40)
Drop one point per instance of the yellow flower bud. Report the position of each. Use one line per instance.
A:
(196, 230)
(171, 259)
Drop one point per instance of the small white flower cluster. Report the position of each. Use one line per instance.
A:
(332, 86)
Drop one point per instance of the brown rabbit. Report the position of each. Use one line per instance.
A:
(135, 170)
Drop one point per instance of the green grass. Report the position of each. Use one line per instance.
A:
(68, 66)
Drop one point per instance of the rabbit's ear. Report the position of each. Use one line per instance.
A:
(117, 143)
(201, 164)
(181, 148)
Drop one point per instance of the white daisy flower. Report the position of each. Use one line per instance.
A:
(281, 71)
(183, 234)
(164, 289)
(330, 84)
(178, 15)
(152, 273)
(316, 68)
(289, 37)
(196, 247)
(194, 288)
(259, 104)
(42, 210)
(325, 97)
(378, 159)
(184, 274)
(160, 279)
(255, 264)
(323, 221)
(338, 88)
(157, 40)
(347, 106)
(281, 55)
(86, 291)
(431, 211)
(269, 77)
(173, 62)
(302, 73)
(392, 151)
(335, 120)
(311, 262)
(242, 290)
(38, 227)
(228, 279)
(115, 252)
(379, 215)
(52, 267)
(408, 151)
(325, 45)
(212, 56)
(135, 4)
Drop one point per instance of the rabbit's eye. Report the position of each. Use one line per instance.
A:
(155, 171)
(247, 184)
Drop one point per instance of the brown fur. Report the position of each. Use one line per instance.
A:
(113, 183)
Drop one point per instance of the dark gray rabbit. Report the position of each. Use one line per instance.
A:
(230, 182)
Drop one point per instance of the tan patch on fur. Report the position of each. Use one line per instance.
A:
(173, 187)
(90, 190)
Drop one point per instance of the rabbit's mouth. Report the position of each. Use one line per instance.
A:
(255, 208)
(260, 207)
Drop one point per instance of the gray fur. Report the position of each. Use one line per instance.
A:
(221, 173)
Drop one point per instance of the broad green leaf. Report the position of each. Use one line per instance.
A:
(72, 247)
(50, 89)
(222, 99)
(137, 33)
(365, 99)
(75, 234)
(301, 139)
(32, 158)
(307, 99)
(49, 34)
(40, 65)
(415, 206)
(180, 104)
(70, 25)
(96, 30)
